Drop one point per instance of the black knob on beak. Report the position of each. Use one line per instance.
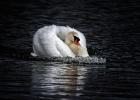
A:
(76, 38)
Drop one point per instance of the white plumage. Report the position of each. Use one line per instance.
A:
(58, 41)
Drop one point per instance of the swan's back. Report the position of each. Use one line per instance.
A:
(49, 41)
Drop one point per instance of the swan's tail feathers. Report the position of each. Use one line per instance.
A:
(33, 54)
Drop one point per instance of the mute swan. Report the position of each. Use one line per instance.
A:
(59, 41)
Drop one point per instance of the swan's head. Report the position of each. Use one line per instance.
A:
(73, 41)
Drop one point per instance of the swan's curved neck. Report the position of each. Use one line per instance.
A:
(72, 41)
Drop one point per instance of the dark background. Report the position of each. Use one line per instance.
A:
(112, 29)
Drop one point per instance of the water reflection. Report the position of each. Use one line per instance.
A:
(57, 79)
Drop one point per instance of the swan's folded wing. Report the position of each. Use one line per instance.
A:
(63, 48)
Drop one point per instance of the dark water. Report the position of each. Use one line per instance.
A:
(112, 29)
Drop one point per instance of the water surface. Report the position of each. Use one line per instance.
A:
(112, 32)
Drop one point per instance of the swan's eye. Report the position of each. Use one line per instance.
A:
(76, 38)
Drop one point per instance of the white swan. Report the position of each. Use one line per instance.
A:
(59, 41)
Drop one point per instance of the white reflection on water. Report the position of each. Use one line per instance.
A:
(57, 79)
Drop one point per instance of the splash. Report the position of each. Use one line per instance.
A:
(80, 60)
